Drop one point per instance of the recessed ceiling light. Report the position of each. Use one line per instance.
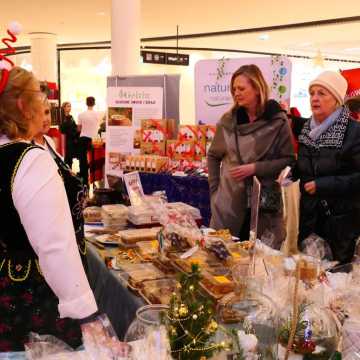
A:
(100, 13)
(305, 44)
(264, 37)
(354, 49)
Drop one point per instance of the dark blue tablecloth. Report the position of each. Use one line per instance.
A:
(192, 190)
(111, 295)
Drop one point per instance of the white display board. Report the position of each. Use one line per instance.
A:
(127, 106)
(212, 84)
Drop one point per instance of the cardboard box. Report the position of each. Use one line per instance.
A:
(152, 136)
(200, 150)
(201, 132)
(188, 132)
(146, 163)
(172, 129)
(170, 148)
(154, 130)
(152, 124)
(210, 132)
(180, 150)
(208, 144)
(153, 148)
(156, 164)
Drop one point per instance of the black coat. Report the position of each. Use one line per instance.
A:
(334, 163)
(68, 127)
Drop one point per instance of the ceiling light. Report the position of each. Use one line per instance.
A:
(354, 49)
(264, 37)
(318, 59)
(305, 44)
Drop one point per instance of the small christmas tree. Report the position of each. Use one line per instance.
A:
(190, 321)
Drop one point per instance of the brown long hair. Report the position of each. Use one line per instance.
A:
(257, 80)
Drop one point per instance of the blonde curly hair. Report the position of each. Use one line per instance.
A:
(15, 122)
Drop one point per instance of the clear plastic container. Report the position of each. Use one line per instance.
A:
(132, 236)
(137, 273)
(148, 249)
(114, 211)
(92, 214)
(252, 318)
(159, 291)
(142, 214)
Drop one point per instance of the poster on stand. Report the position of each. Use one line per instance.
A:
(134, 188)
(127, 106)
(212, 84)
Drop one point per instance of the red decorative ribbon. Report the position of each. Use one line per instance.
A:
(9, 50)
(146, 135)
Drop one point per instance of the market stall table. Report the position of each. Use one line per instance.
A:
(111, 294)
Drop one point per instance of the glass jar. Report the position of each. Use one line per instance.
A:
(251, 317)
(311, 327)
(316, 333)
(148, 335)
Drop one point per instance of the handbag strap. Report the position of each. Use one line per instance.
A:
(248, 181)
(238, 156)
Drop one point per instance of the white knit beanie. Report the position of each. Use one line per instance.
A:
(334, 82)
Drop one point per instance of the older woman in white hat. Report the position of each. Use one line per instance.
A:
(329, 168)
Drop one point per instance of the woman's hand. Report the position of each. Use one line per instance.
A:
(284, 179)
(310, 187)
(242, 172)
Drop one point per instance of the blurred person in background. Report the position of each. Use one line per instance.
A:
(88, 125)
(353, 104)
(68, 127)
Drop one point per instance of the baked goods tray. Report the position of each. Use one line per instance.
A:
(158, 291)
(134, 275)
(204, 291)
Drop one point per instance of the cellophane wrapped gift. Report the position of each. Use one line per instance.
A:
(316, 246)
(114, 215)
(99, 339)
(351, 340)
(307, 327)
(49, 347)
(180, 229)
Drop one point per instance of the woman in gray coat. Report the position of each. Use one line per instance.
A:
(253, 138)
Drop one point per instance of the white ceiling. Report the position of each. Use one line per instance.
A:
(76, 21)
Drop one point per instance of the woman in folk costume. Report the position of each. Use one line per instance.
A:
(75, 191)
(253, 138)
(329, 168)
(43, 286)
